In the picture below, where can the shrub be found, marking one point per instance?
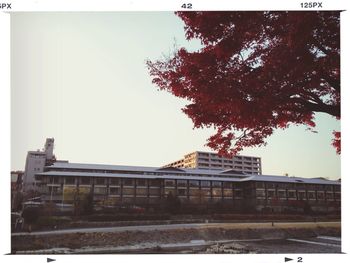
(31, 214)
(51, 221)
(126, 217)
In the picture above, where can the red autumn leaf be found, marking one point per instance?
(256, 72)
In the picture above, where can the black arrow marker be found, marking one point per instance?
(287, 259)
(50, 260)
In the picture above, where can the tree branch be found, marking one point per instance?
(318, 107)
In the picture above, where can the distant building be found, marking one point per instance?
(212, 161)
(35, 163)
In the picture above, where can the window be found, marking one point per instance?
(168, 192)
(329, 196)
(329, 188)
(181, 183)
(70, 180)
(181, 192)
(141, 182)
(337, 196)
(270, 194)
(100, 181)
(300, 186)
(128, 182)
(114, 191)
(282, 185)
(55, 189)
(311, 195)
(238, 193)
(205, 192)
(54, 180)
(228, 192)
(259, 185)
(260, 193)
(84, 189)
(114, 181)
(194, 192)
(194, 183)
(281, 194)
(217, 192)
(320, 187)
(128, 191)
(154, 191)
(311, 187)
(141, 191)
(270, 185)
(320, 195)
(227, 185)
(290, 185)
(216, 184)
(291, 194)
(100, 190)
(205, 183)
(169, 183)
(154, 183)
(85, 180)
(302, 195)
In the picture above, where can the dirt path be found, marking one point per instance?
(184, 226)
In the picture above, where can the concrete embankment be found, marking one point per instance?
(72, 242)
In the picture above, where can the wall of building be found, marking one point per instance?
(35, 163)
(236, 196)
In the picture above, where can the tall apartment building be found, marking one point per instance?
(212, 161)
(35, 163)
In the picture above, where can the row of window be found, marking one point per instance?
(139, 182)
(215, 192)
(297, 186)
(299, 195)
(104, 181)
(185, 183)
(229, 166)
(196, 184)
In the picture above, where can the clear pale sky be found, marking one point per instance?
(81, 78)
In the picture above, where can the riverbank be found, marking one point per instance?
(104, 241)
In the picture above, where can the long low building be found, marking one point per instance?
(116, 186)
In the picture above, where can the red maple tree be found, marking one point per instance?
(255, 72)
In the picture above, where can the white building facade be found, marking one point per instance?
(212, 161)
(35, 163)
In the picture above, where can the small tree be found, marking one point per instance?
(17, 201)
(30, 215)
(87, 204)
(173, 203)
(49, 208)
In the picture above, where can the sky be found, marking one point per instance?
(82, 79)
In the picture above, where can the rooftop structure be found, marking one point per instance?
(212, 161)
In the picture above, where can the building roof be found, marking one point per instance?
(139, 176)
(141, 169)
(176, 173)
(286, 179)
